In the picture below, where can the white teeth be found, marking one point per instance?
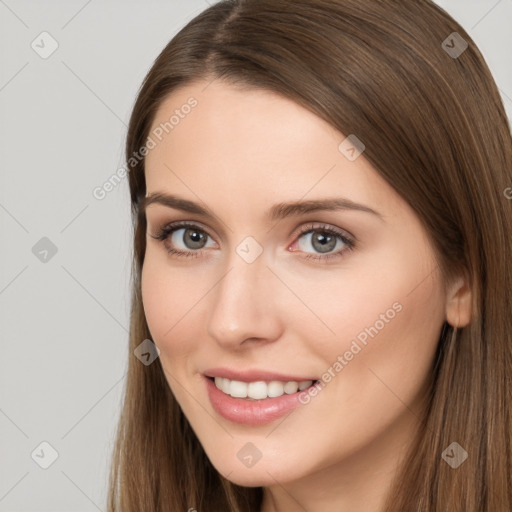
(275, 388)
(226, 384)
(291, 387)
(257, 390)
(260, 390)
(305, 384)
(238, 389)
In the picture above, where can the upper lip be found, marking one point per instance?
(254, 375)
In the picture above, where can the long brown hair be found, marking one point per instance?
(434, 126)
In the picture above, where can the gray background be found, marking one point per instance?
(64, 316)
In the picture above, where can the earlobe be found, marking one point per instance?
(459, 302)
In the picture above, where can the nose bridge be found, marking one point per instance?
(242, 304)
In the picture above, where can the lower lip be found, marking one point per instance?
(250, 412)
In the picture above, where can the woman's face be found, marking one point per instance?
(263, 293)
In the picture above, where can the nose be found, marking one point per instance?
(245, 308)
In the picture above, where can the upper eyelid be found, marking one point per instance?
(175, 225)
(303, 229)
(190, 219)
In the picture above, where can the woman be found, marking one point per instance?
(322, 285)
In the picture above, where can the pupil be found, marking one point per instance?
(195, 236)
(326, 244)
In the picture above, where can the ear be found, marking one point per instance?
(459, 301)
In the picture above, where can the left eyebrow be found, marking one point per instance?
(276, 212)
(283, 210)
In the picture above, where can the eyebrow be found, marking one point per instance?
(276, 212)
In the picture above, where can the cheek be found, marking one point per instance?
(173, 298)
(157, 301)
(163, 300)
(385, 318)
(387, 345)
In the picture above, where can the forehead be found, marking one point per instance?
(219, 142)
(260, 121)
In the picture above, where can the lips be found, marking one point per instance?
(254, 397)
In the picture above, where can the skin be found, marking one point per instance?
(239, 152)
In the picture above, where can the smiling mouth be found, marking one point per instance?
(260, 390)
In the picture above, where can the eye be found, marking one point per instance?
(192, 237)
(322, 238)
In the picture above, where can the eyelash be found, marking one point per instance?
(166, 231)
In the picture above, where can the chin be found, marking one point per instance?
(263, 473)
(249, 477)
